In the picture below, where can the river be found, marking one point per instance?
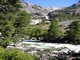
(43, 45)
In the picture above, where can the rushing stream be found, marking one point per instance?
(42, 45)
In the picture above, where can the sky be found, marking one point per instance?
(52, 3)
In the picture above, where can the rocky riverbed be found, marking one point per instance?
(47, 51)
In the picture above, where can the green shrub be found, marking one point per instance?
(14, 54)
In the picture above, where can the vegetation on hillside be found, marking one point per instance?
(14, 24)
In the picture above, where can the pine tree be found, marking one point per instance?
(6, 28)
(73, 32)
(54, 33)
(9, 14)
(21, 22)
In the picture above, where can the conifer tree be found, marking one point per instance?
(12, 21)
(73, 32)
(54, 33)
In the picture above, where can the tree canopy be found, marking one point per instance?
(9, 6)
(73, 32)
(13, 21)
(54, 33)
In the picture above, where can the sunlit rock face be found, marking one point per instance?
(36, 10)
(32, 8)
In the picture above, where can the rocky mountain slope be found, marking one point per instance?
(75, 7)
(32, 8)
(37, 11)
